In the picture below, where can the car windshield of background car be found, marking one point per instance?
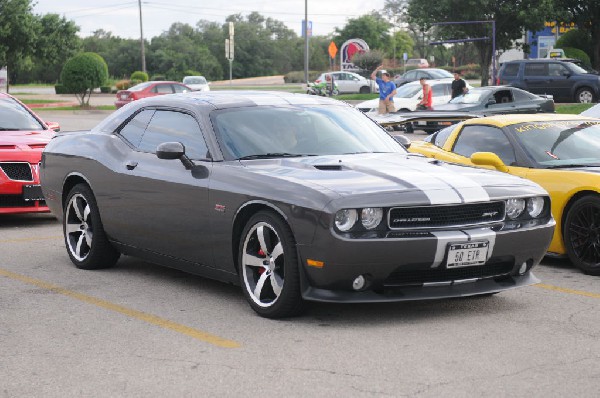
(561, 143)
(577, 69)
(440, 74)
(194, 80)
(14, 117)
(299, 131)
(408, 91)
(139, 87)
(472, 97)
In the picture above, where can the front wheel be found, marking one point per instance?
(584, 95)
(268, 267)
(85, 239)
(364, 90)
(582, 234)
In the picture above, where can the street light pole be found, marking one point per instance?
(142, 38)
(306, 41)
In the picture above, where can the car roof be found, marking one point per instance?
(535, 60)
(510, 119)
(445, 80)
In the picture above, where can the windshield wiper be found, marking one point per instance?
(566, 166)
(272, 155)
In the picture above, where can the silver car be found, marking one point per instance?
(350, 82)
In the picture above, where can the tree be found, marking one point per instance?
(512, 18)
(82, 74)
(17, 33)
(371, 28)
(586, 15)
(368, 60)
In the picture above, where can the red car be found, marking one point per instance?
(149, 89)
(23, 137)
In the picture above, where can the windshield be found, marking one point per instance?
(440, 74)
(408, 90)
(271, 131)
(561, 143)
(473, 96)
(194, 80)
(577, 68)
(14, 117)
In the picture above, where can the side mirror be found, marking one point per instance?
(488, 159)
(53, 126)
(174, 150)
(491, 101)
(402, 140)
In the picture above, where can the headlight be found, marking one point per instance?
(535, 206)
(370, 217)
(514, 208)
(345, 219)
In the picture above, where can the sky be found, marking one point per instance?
(122, 17)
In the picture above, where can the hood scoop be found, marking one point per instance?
(329, 167)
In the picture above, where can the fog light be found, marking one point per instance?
(523, 268)
(359, 282)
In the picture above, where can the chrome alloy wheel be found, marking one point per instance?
(263, 264)
(79, 228)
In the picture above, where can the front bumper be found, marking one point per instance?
(412, 266)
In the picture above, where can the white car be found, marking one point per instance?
(350, 82)
(594, 111)
(409, 95)
(196, 83)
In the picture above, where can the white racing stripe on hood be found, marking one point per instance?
(446, 237)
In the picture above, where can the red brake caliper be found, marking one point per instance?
(261, 253)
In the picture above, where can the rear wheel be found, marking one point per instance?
(585, 95)
(364, 90)
(268, 267)
(581, 234)
(86, 242)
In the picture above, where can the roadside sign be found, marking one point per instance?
(332, 49)
(405, 56)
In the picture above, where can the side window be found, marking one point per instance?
(511, 69)
(171, 126)
(484, 139)
(134, 130)
(536, 69)
(442, 135)
(503, 96)
(556, 70)
(438, 90)
(163, 89)
(178, 89)
(411, 75)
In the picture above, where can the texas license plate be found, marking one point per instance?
(467, 254)
(32, 192)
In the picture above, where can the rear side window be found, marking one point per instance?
(134, 130)
(511, 70)
(535, 69)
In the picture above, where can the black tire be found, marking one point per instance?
(585, 95)
(581, 234)
(364, 90)
(268, 267)
(85, 239)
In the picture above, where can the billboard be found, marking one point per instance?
(348, 50)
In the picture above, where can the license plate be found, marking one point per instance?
(422, 123)
(467, 254)
(123, 97)
(32, 192)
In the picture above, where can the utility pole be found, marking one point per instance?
(229, 50)
(306, 41)
(142, 38)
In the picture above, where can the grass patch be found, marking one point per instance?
(287, 88)
(38, 101)
(78, 108)
(572, 108)
(356, 97)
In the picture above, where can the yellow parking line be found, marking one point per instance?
(30, 239)
(152, 319)
(569, 291)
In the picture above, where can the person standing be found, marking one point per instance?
(459, 86)
(387, 90)
(427, 100)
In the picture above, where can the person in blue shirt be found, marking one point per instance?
(387, 90)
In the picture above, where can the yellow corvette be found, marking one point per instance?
(559, 152)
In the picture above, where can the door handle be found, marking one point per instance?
(131, 165)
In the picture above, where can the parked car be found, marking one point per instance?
(594, 111)
(408, 96)
(498, 99)
(416, 74)
(565, 81)
(349, 82)
(196, 83)
(23, 136)
(149, 89)
(294, 197)
(559, 152)
(417, 62)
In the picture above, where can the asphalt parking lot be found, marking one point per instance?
(141, 330)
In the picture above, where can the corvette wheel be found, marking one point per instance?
(86, 242)
(268, 271)
(582, 234)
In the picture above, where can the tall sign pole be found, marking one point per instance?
(229, 51)
(142, 38)
(306, 41)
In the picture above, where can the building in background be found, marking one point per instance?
(543, 41)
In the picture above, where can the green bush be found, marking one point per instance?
(135, 82)
(139, 75)
(60, 89)
(123, 84)
(578, 54)
(105, 89)
(82, 74)
(158, 77)
(576, 38)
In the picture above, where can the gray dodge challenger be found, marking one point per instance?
(295, 198)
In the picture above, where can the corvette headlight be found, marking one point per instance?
(535, 206)
(370, 217)
(514, 208)
(345, 219)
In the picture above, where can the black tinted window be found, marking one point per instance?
(442, 135)
(134, 130)
(13, 116)
(511, 70)
(536, 69)
(169, 126)
(557, 70)
(484, 139)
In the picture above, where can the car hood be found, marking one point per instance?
(26, 137)
(391, 173)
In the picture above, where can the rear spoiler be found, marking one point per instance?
(401, 118)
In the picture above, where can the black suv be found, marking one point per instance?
(564, 80)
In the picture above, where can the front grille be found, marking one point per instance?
(17, 201)
(446, 216)
(402, 277)
(17, 171)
